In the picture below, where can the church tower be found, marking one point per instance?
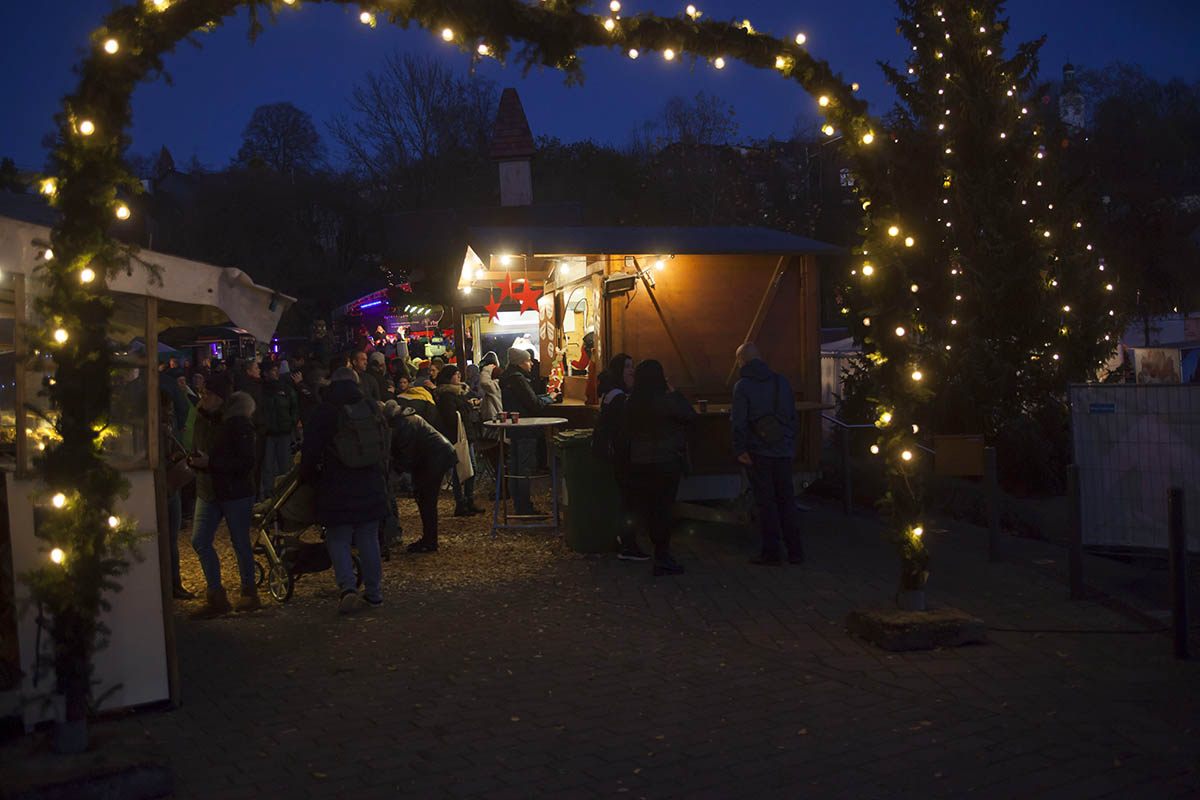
(1070, 102)
(512, 148)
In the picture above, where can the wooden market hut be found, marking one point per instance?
(687, 296)
(138, 663)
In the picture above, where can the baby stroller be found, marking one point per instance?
(279, 522)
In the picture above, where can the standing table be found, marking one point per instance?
(545, 426)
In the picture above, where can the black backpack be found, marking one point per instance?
(363, 436)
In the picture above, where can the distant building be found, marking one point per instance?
(1072, 109)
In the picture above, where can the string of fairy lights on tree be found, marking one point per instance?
(951, 275)
(87, 543)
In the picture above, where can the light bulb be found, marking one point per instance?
(447, 34)
(917, 531)
(505, 260)
(609, 24)
(57, 555)
(614, 6)
(801, 38)
(822, 101)
(899, 331)
(909, 241)
(633, 53)
(113, 522)
(828, 131)
(111, 46)
(719, 63)
(1066, 308)
(958, 297)
(868, 270)
(916, 375)
(1055, 356)
(914, 288)
(86, 275)
(916, 428)
(893, 231)
(854, 87)
(49, 186)
(122, 211)
(59, 500)
(874, 449)
(483, 49)
(87, 128)
(953, 322)
(690, 11)
(366, 18)
(885, 417)
(48, 254)
(906, 455)
(866, 322)
(779, 62)
(658, 265)
(669, 54)
(1046, 234)
(60, 335)
(1108, 287)
(868, 138)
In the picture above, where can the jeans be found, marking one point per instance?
(204, 527)
(277, 460)
(522, 459)
(464, 491)
(426, 490)
(652, 489)
(771, 482)
(174, 523)
(364, 536)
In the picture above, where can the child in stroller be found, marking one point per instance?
(280, 522)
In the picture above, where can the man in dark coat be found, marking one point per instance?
(764, 442)
(518, 395)
(223, 458)
(350, 501)
(281, 415)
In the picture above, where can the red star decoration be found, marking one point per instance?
(506, 288)
(493, 307)
(528, 297)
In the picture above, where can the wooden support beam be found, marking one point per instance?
(764, 305)
(667, 327)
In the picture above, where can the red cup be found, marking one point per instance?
(702, 405)
(516, 417)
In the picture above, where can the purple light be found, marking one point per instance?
(373, 303)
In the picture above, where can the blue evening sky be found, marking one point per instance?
(315, 55)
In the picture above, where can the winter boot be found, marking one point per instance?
(461, 509)
(249, 600)
(216, 603)
(180, 593)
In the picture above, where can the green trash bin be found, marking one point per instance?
(592, 498)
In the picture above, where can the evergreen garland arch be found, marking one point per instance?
(88, 547)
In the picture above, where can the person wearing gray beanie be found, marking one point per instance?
(518, 395)
(517, 356)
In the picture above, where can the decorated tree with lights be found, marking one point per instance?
(976, 293)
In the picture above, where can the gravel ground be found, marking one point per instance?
(467, 557)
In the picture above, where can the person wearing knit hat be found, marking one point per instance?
(453, 406)
(377, 373)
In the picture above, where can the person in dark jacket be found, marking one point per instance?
(419, 450)
(223, 458)
(281, 415)
(616, 383)
(764, 442)
(350, 501)
(452, 405)
(377, 372)
(519, 396)
(652, 444)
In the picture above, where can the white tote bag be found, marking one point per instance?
(462, 449)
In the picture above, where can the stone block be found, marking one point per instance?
(897, 630)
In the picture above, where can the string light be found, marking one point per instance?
(614, 6)
(828, 130)
(483, 49)
(868, 270)
(57, 555)
(669, 54)
(690, 11)
(779, 62)
(866, 322)
(87, 128)
(447, 34)
(914, 288)
(823, 101)
(59, 500)
(906, 455)
(801, 38)
(886, 418)
(60, 335)
(111, 46)
(893, 231)
(633, 53)
(868, 138)
(113, 522)
(47, 254)
(874, 449)
(918, 531)
(609, 24)
(899, 331)
(49, 186)
(719, 63)
(122, 211)
(366, 18)
(909, 241)
(916, 375)
(86, 275)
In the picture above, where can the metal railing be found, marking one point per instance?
(844, 429)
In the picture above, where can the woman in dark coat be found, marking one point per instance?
(652, 446)
(615, 383)
(450, 395)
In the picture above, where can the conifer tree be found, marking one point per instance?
(976, 294)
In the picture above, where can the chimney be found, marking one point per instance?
(512, 148)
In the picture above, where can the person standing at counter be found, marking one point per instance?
(764, 442)
(652, 444)
(518, 395)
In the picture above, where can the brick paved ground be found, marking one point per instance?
(585, 676)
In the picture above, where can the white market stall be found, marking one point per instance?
(139, 660)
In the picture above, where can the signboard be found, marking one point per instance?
(1157, 365)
